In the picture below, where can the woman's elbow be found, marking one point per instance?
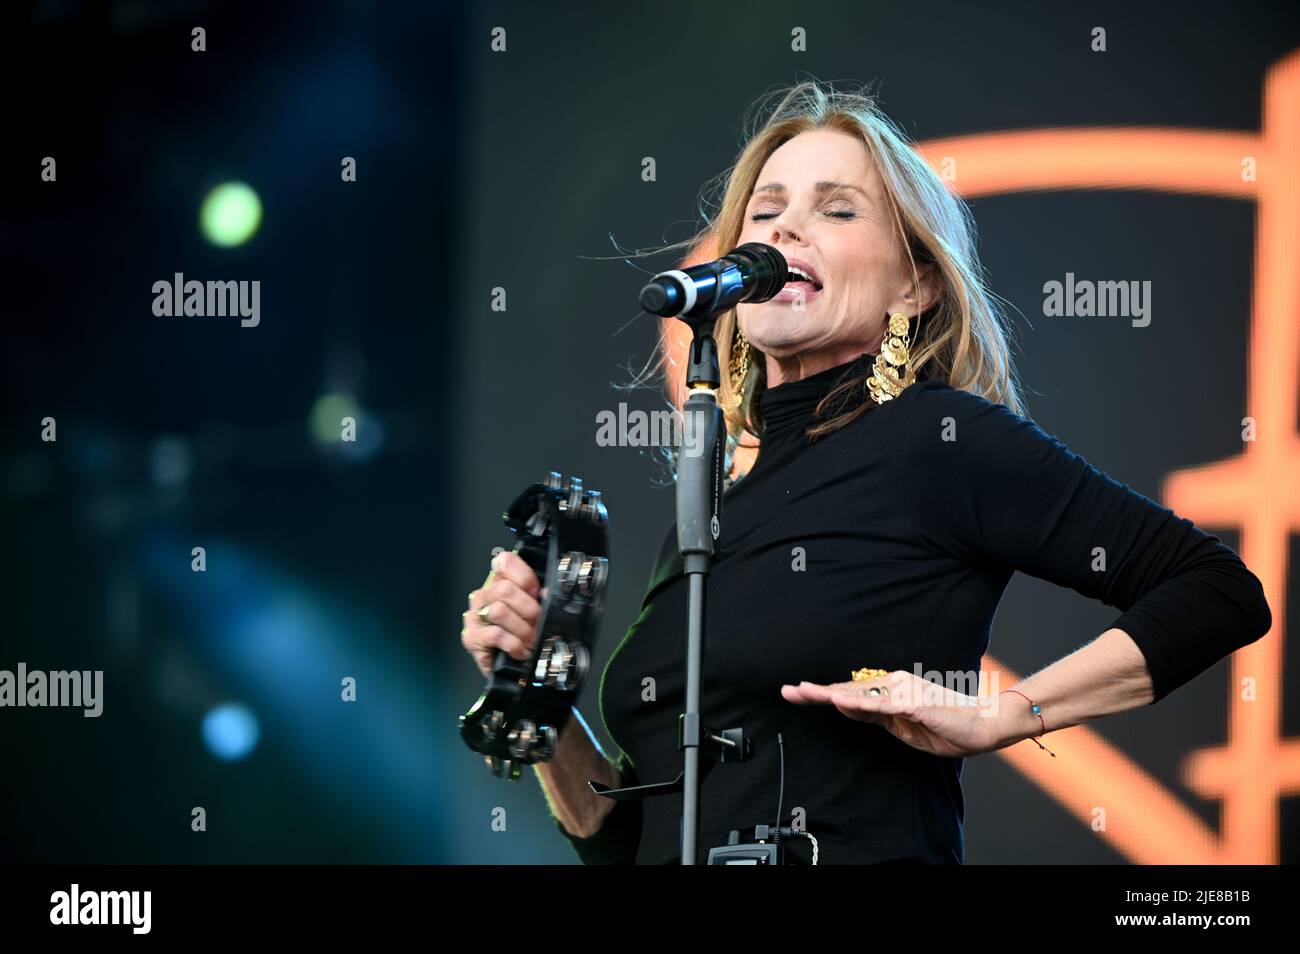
(1257, 617)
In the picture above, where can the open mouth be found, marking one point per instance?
(802, 277)
(798, 291)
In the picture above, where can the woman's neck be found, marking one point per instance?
(796, 367)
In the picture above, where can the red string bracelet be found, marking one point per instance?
(1034, 708)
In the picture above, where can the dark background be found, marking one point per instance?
(477, 170)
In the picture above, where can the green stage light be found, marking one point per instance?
(326, 419)
(230, 214)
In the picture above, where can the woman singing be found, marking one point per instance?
(897, 489)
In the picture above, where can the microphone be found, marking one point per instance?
(754, 272)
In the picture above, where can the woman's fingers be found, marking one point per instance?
(508, 601)
(846, 702)
(502, 615)
(482, 642)
(847, 697)
(507, 606)
(807, 692)
(508, 565)
(503, 629)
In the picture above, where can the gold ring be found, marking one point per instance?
(482, 614)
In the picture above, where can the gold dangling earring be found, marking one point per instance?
(738, 362)
(887, 380)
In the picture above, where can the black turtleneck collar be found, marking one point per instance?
(787, 409)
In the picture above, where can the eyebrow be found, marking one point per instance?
(819, 188)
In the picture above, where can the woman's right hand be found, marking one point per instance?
(512, 596)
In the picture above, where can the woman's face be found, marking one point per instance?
(819, 200)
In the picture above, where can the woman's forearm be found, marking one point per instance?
(1107, 676)
(564, 779)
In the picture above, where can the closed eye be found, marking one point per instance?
(840, 214)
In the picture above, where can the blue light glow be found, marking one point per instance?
(230, 731)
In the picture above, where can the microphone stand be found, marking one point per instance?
(700, 472)
(700, 475)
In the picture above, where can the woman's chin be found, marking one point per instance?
(776, 331)
(780, 347)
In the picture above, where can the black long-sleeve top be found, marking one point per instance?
(888, 544)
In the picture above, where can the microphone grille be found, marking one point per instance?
(653, 298)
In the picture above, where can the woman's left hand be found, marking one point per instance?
(925, 715)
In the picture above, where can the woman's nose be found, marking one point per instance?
(780, 230)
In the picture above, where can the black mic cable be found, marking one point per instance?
(780, 798)
(777, 831)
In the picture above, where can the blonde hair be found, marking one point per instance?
(961, 338)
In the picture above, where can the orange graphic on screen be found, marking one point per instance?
(1253, 491)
